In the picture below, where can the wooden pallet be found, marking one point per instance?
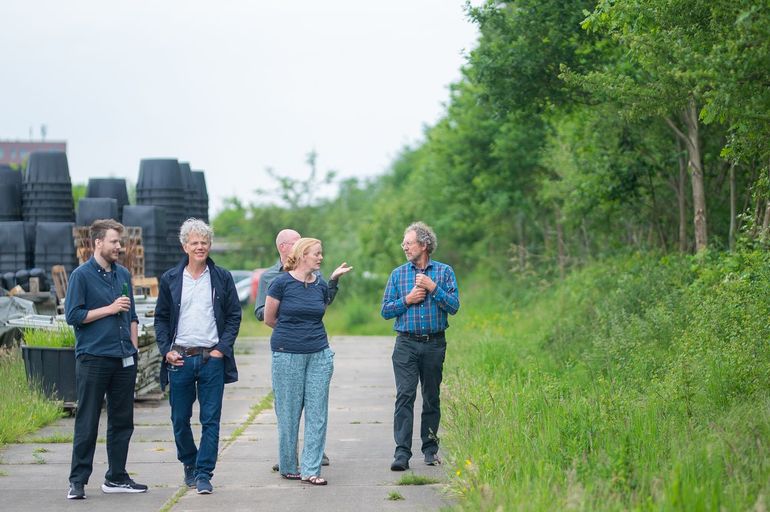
(131, 253)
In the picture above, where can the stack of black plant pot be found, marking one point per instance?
(10, 194)
(55, 245)
(160, 184)
(114, 188)
(152, 220)
(13, 257)
(47, 188)
(201, 195)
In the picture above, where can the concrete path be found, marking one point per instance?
(33, 475)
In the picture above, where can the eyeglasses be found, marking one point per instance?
(407, 244)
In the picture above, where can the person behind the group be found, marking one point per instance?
(302, 363)
(284, 242)
(419, 295)
(100, 306)
(197, 318)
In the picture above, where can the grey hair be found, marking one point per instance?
(425, 235)
(196, 226)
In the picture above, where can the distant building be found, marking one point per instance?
(16, 151)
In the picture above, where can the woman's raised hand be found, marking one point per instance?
(344, 268)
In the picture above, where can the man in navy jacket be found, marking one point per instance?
(197, 318)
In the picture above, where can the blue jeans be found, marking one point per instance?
(417, 362)
(207, 380)
(302, 381)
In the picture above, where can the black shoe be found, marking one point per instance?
(189, 476)
(76, 492)
(324, 460)
(127, 486)
(432, 459)
(275, 467)
(399, 464)
(203, 486)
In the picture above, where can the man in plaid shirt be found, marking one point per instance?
(419, 295)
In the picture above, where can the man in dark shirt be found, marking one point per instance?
(420, 294)
(100, 306)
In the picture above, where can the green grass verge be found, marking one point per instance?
(636, 383)
(22, 410)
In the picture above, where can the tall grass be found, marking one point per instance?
(637, 383)
(22, 410)
(62, 337)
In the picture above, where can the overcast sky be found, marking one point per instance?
(232, 86)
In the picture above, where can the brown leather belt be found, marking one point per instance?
(190, 351)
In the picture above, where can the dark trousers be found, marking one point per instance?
(97, 376)
(204, 378)
(417, 362)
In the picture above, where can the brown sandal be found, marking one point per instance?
(315, 480)
(291, 476)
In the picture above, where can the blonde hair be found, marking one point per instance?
(301, 247)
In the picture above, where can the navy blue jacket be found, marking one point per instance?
(227, 311)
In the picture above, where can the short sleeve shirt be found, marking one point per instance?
(299, 328)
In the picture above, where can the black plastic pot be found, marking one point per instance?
(114, 188)
(53, 369)
(10, 202)
(12, 239)
(54, 237)
(201, 195)
(54, 245)
(9, 280)
(9, 176)
(22, 279)
(152, 220)
(93, 208)
(42, 279)
(159, 173)
(47, 167)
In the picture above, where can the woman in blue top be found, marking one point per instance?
(303, 363)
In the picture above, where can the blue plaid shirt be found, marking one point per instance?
(430, 315)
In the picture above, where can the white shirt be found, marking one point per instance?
(197, 324)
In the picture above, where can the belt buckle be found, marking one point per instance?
(422, 337)
(182, 350)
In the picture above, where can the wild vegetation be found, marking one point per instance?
(22, 410)
(642, 382)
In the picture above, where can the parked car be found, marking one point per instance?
(255, 275)
(242, 280)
